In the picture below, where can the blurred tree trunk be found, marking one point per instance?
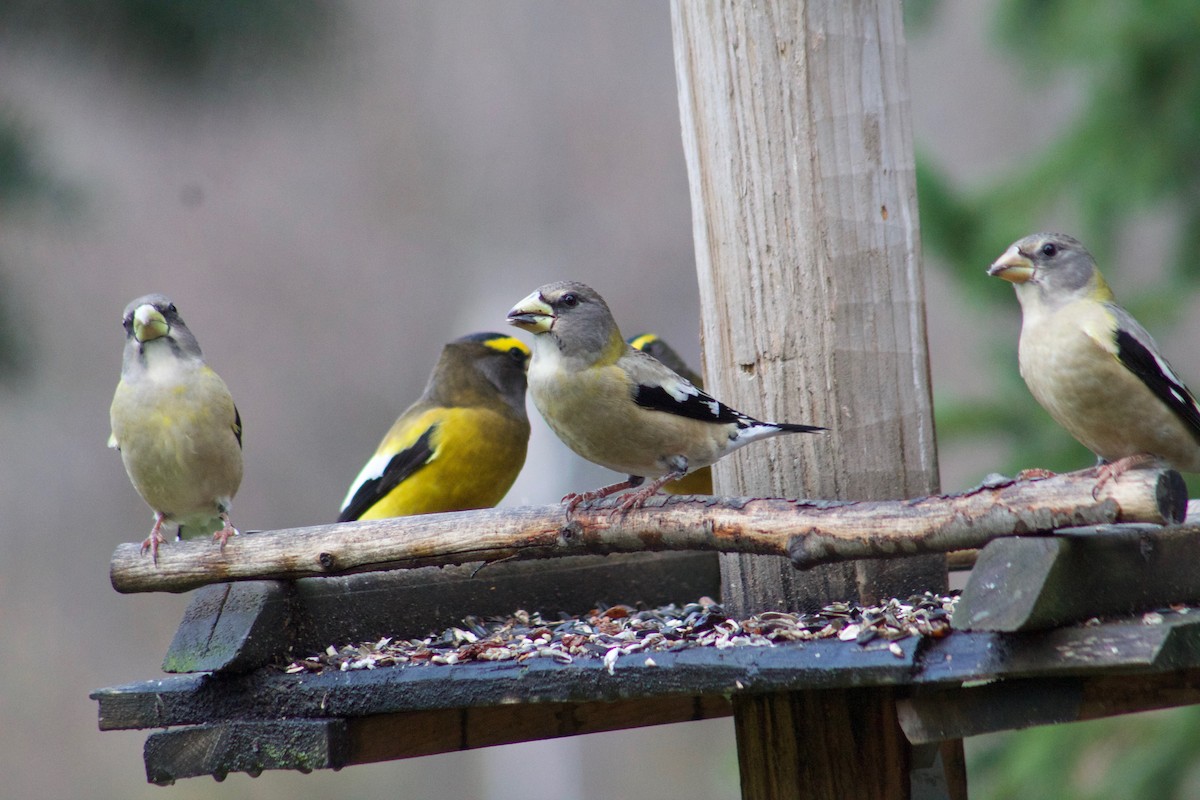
(798, 142)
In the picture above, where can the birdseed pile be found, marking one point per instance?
(618, 630)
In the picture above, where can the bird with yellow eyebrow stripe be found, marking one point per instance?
(460, 445)
(700, 481)
(1091, 365)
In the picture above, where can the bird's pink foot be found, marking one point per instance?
(154, 539)
(576, 499)
(1034, 474)
(1115, 469)
(637, 498)
(225, 533)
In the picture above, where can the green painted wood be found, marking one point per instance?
(1036, 583)
(251, 747)
(235, 627)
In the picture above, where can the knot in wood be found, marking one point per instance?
(327, 560)
(570, 532)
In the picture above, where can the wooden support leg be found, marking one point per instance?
(800, 257)
(835, 744)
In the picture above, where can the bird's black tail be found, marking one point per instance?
(788, 427)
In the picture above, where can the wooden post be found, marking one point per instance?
(796, 130)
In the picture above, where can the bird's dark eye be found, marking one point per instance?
(570, 299)
(516, 354)
(171, 309)
(1049, 249)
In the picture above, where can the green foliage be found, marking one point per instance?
(1141, 756)
(181, 39)
(1132, 148)
(22, 180)
(1133, 145)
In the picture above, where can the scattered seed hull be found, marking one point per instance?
(619, 630)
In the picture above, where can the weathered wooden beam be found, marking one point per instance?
(951, 713)
(1035, 583)
(268, 694)
(241, 734)
(828, 760)
(961, 560)
(273, 720)
(1128, 646)
(235, 627)
(1004, 705)
(809, 532)
(253, 746)
(798, 144)
(926, 717)
(390, 736)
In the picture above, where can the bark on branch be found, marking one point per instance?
(810, 532)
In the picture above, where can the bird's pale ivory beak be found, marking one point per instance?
(148, 323)
(532, 314)
(1014, 266)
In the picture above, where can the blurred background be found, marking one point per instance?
(330, 190)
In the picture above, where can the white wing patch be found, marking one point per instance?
(372, 470)
(680, 390)
(1166, 370)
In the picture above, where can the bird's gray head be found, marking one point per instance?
(575, 316)
(152, 320)
(1052, 268)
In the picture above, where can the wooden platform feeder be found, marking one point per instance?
(1018, 656)
(799, 151)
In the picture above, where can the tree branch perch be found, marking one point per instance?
(810, 532)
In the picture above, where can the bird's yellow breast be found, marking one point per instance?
(178, 443)
(476, 455)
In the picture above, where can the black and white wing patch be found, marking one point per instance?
(658, 388)
(687, 401)
(382, 474)
(1157, 374)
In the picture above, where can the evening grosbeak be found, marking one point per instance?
(619, 407)
(1091, 365)
(175, 424)
(698, 481)
(460, 445)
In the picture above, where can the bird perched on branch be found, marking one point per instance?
(175, 424)
(460, 445)
(698, 481)
(619, 407)
(1091, 365)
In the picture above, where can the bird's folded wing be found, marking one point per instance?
(1136, 351)
(658, 388)
(383, 473)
